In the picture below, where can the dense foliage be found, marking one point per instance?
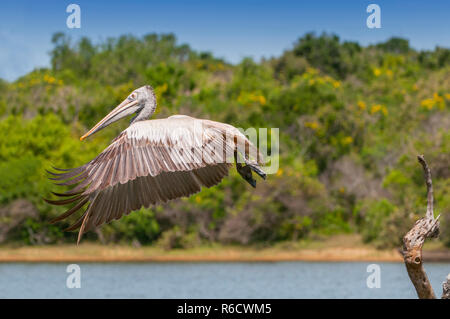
(351, 119)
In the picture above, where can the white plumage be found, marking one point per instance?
(153, 161)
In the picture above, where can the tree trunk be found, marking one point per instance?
(425, 227)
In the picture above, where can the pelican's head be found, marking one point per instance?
(141, 101)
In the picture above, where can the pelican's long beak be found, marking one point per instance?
(125, 108)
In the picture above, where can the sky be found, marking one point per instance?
(229, 29)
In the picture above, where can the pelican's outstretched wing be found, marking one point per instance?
(152, 162)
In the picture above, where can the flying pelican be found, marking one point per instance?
(151, 162)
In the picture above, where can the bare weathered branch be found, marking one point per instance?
(413, 241)
(429, 183)
(446, 288)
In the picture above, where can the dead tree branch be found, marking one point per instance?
(446, 288)
(424, 228)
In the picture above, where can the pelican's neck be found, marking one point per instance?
(146, 112)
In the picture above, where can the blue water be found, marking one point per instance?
(213, 280)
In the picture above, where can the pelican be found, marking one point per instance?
(151, 162)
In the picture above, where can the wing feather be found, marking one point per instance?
(151, 162)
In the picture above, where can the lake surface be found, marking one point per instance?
(213, 280)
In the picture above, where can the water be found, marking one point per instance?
(213, 280)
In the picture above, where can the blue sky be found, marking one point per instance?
(230, 29)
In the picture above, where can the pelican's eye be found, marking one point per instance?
(132, 96)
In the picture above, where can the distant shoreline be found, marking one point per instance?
(98, 253)
(340, 248)
(122, 254)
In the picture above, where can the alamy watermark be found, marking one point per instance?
(74, 278)
(374, 19)
(74, 19)
(374, 279)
